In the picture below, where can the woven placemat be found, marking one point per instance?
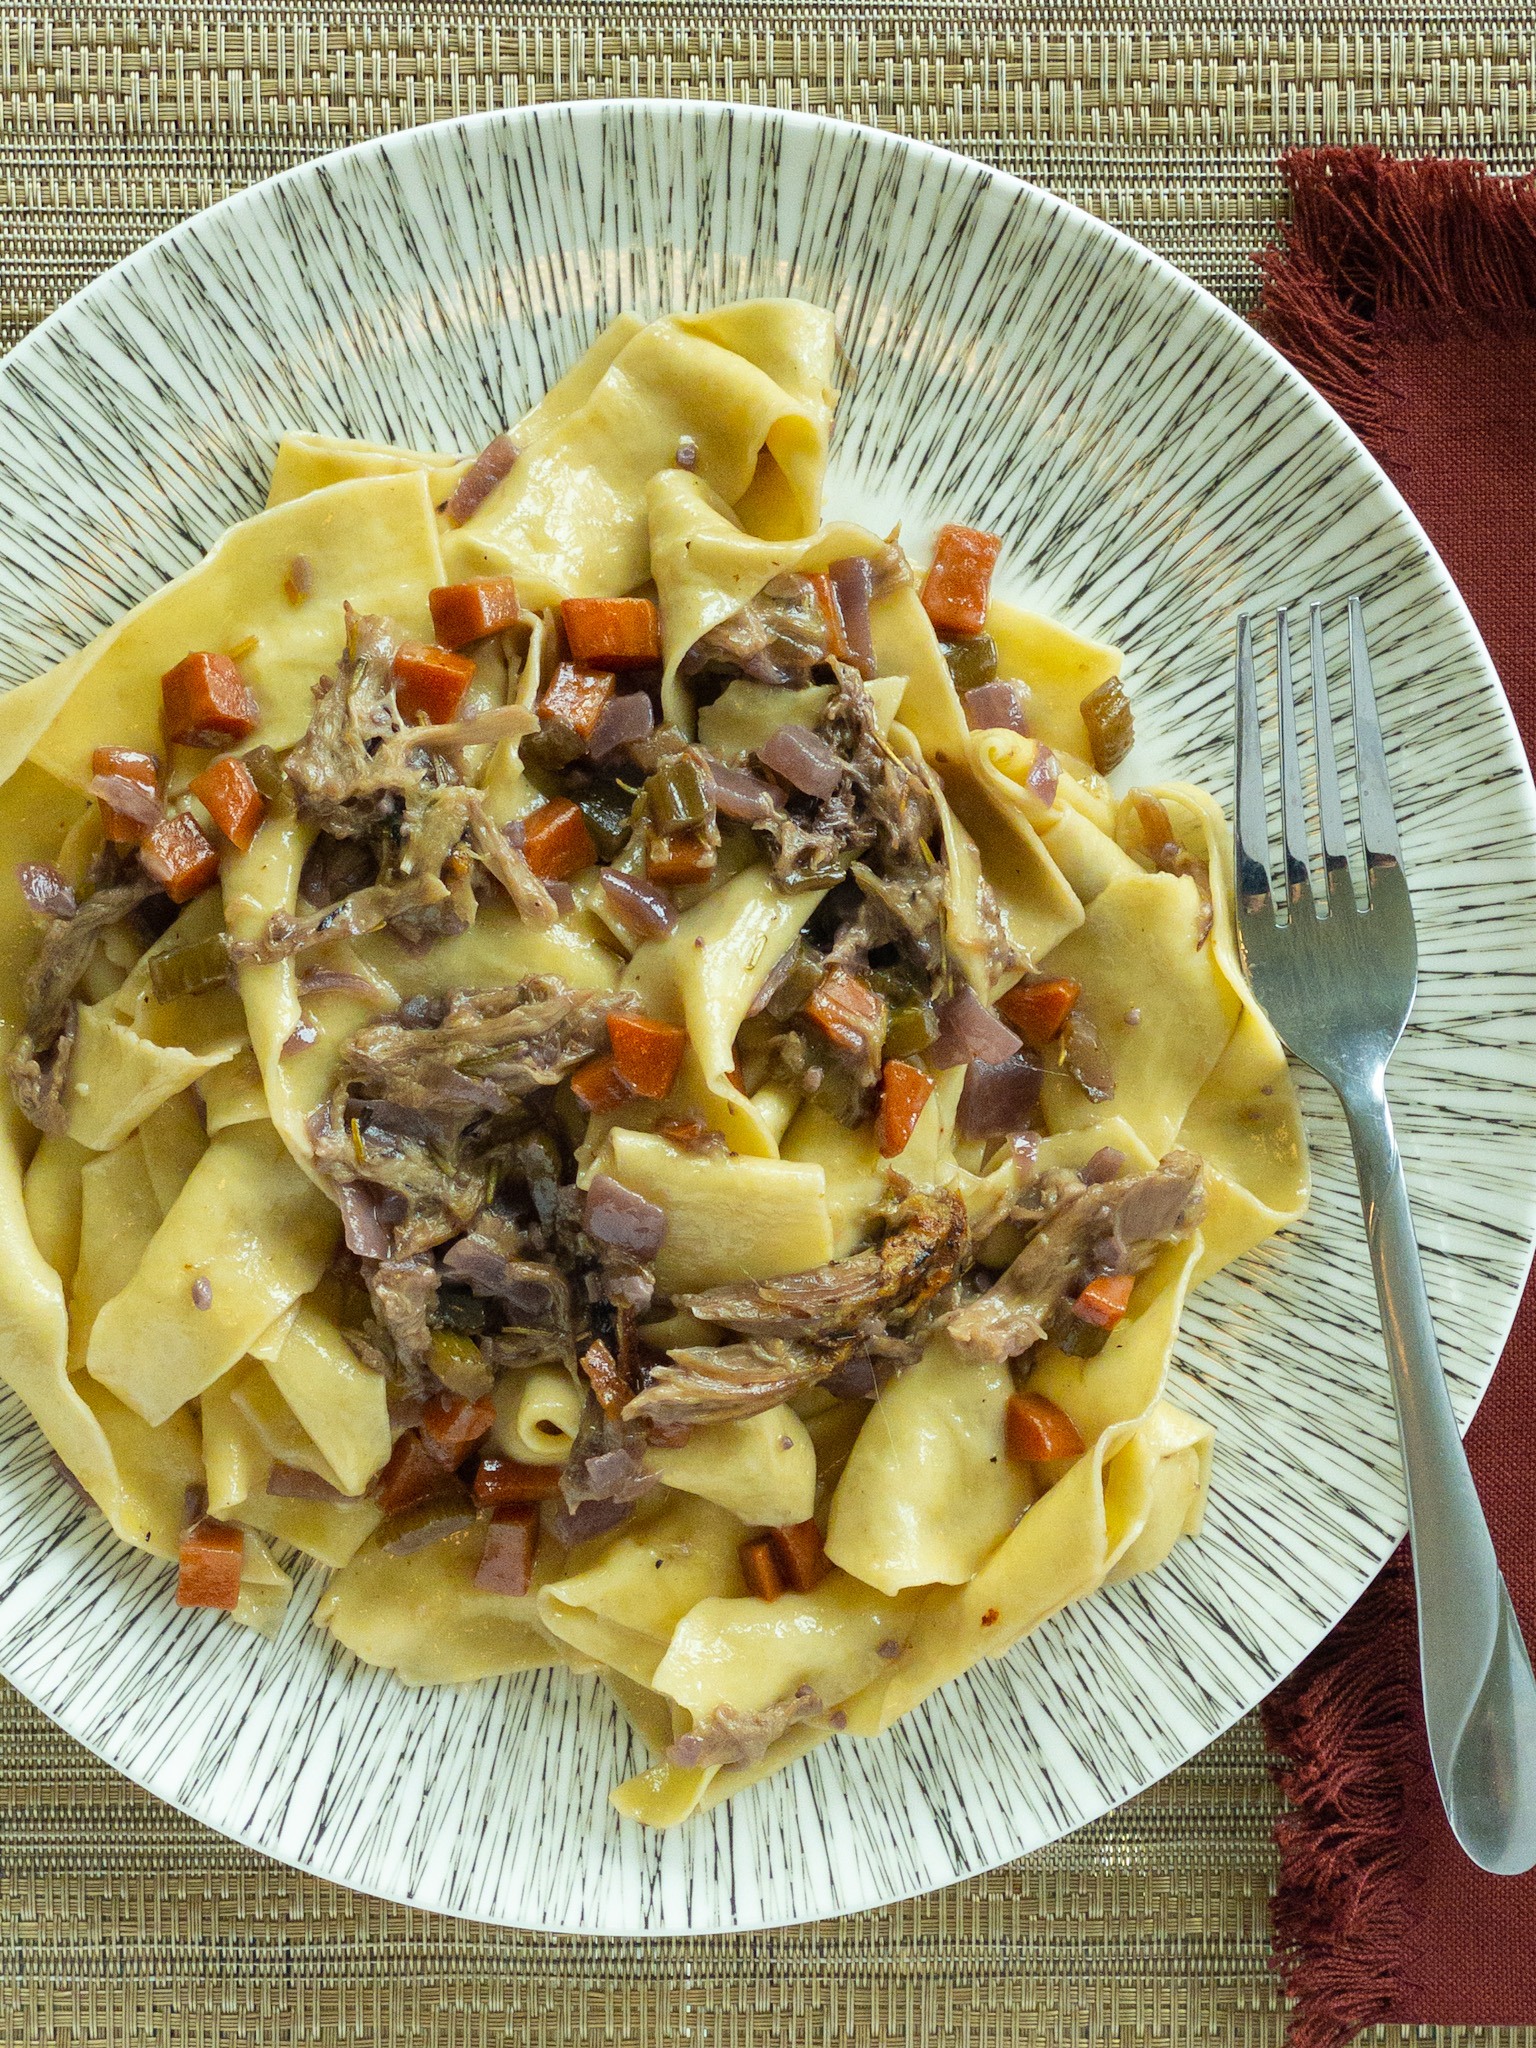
(121, 1922)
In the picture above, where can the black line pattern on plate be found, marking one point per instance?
(1153, 469)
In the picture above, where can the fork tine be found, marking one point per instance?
(1330, 807)
(1252, 835)
(1293, 802)
(1378, 823)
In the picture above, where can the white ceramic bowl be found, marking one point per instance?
(1153, 467)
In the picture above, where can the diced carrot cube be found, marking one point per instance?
(1035, 1430)
(1038, 1009)
(133, 766)
(450, 1426)
(680, 860)
(231, 799)
(647, 1053)
(430, 682)
(412, 1475)
(462, 612)
(180, 857)
(211, 1558)
(798, 1553)
(577, 697)
(502, 1481)
(511, 1546)
(957, 587)
(904, 1090)
(1105, 1301)
(758, 1569)
(847, 1011)
(556, 841)
(599, 1085)
(207, 702)
(832, 612)
(612, 632)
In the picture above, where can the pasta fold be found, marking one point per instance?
(256, 1230)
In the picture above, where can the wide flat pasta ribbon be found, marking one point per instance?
(623, 1606)
(249, 1223)
(570, 516)
(704, 975)
(1075, 1533)
(729, 1218)
(762, 1468)
(371, 543)
(313, 462)
(423, 1617)
(929, 1489)
(1244, 1122)
(707, 564)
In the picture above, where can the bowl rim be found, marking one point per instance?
(708, 114)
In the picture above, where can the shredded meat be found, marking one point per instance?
(426, 1103)
(1084, 1228)
(739, 1735)
(491, 1048)
(398, 792)
(404, 1292)
(603, 1477)
(777, 638)
(883, 811)
(802, 1328)
(39, 1062)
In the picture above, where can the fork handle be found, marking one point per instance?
(1479, 1692)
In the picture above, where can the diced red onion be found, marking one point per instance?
(968, 1031)
(46, 890)
(804, 760)
(997, 1099)
(450, 1521)
(481, 478)
(405, 1411)
(365, 1235)
(776, 977)
(202, 1292)
(1085, 1058)
(740, 794)
(300, 1038)
(515, 832)
(131, 799)
(1107, 1163)
(853, 585)
(194, 1504)
(292, 1482)
(562, 895)
(590, 1518)
(623, 721)
(615, 1215)
(318, 981)
(1025, 1145)
(994, 705)
(642, 907)
(1043, 777)
(75, 1485)
(687, 456)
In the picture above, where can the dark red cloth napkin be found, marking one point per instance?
(1406, 293)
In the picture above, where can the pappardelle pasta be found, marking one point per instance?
(598, 1056)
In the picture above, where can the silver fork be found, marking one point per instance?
(1337, 980)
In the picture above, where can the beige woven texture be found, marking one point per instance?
(123, 1923)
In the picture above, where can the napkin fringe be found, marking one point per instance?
(1340, 1733)
(1373, 243)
